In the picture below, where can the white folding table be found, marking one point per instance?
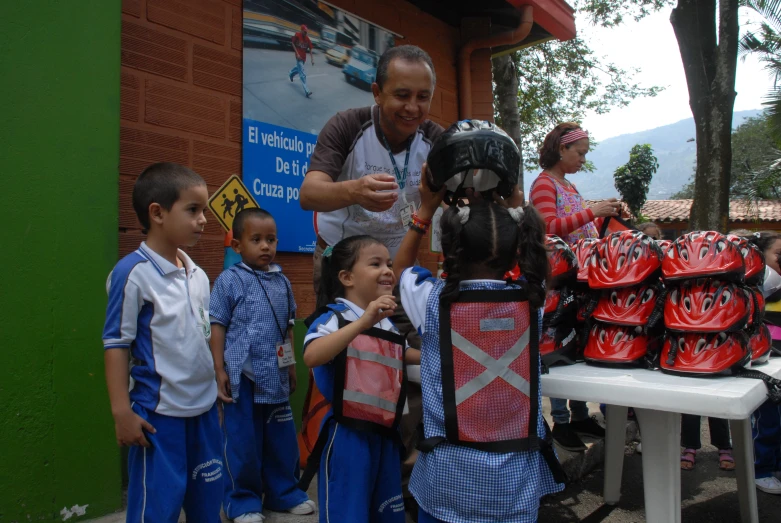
(659, 400)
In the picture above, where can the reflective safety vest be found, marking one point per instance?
(370, 383)
(490, 371)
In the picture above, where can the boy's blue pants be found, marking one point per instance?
(766, 429)
(261, 455)
(359, 478)
(182, 469)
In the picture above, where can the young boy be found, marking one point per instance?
(158, 309)
(252, 311)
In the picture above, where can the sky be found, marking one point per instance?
(651, 46)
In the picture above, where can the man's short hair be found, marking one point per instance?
(244, 215)
(161, 183)
(409, 53)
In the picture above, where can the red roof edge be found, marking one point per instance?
(555, 16)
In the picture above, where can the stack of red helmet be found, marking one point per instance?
(623, 318)
(707, 308)
(583, 250)
(759, 340)
(558, 343)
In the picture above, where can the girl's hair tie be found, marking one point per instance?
(328, 252)
(516, 213)
(463, 214)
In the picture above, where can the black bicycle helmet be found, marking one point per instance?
(474, 154)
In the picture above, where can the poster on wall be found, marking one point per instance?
(304, 61)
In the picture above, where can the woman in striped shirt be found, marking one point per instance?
(564, 152)
(558, 201)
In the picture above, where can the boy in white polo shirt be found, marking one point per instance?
(158, 310)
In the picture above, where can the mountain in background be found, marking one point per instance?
(670, 143)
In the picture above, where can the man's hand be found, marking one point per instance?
(511, 202)
(223, 386)
(374, 192)
(130, 427)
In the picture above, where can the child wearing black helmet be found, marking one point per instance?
(481, 456)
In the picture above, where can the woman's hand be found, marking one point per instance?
(378, 310)
(429, 201)
(605, 208)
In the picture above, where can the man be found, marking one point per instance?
(365, 170)
(364, 174)
(301, 43)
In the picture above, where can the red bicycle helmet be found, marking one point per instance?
(753, 259)
(759, 344)
(756, 305)
(701, 353)
(558, 345)
(562, 261)
(703, 253)
(664, 245)
(615, 344)
(627, 306)
(623, 259)
(706, 305)
(583, 250)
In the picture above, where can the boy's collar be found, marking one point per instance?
(162, 265)
(272, 267)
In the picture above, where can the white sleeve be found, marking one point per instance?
(326, 324)
(415, 286)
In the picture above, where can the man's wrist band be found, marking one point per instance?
(417, 228)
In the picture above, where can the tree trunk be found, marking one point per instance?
(710, 76)
(506, 79)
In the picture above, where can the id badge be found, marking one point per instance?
(406, 214)
(285, 355)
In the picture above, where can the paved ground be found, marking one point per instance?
(270, 97)
(708, 494)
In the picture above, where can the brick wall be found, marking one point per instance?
(181, 101)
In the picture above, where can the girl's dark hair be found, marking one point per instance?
(492, 241)
(342, 258)
(549, 151)
(763, 240)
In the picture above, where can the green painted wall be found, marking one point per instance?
(59, 149)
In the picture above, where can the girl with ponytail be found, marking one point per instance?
(490, 464)
(357, 358)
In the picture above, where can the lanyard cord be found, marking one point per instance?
(401, 177)
(276, 320)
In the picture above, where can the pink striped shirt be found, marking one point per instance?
(543, 197)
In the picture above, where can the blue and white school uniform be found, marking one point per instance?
(359, 480)
(457, 484)
(261, 450)
(159, 312)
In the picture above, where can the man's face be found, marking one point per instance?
(405, 99)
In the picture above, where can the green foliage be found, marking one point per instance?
(610, 13)
(633, 179)
(756, 163)
(562, 81)
(765, 43)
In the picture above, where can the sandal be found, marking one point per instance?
(687, 458)
(726, 461)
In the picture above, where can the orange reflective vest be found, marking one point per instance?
(490, 371)
(370, 382)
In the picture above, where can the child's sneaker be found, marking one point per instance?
(307, 507)
(771, 485)
(250, 517)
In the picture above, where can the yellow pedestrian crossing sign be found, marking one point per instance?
(229, 200)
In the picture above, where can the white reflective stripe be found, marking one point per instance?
(493, 368)
(376, 358)
(367, 399)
